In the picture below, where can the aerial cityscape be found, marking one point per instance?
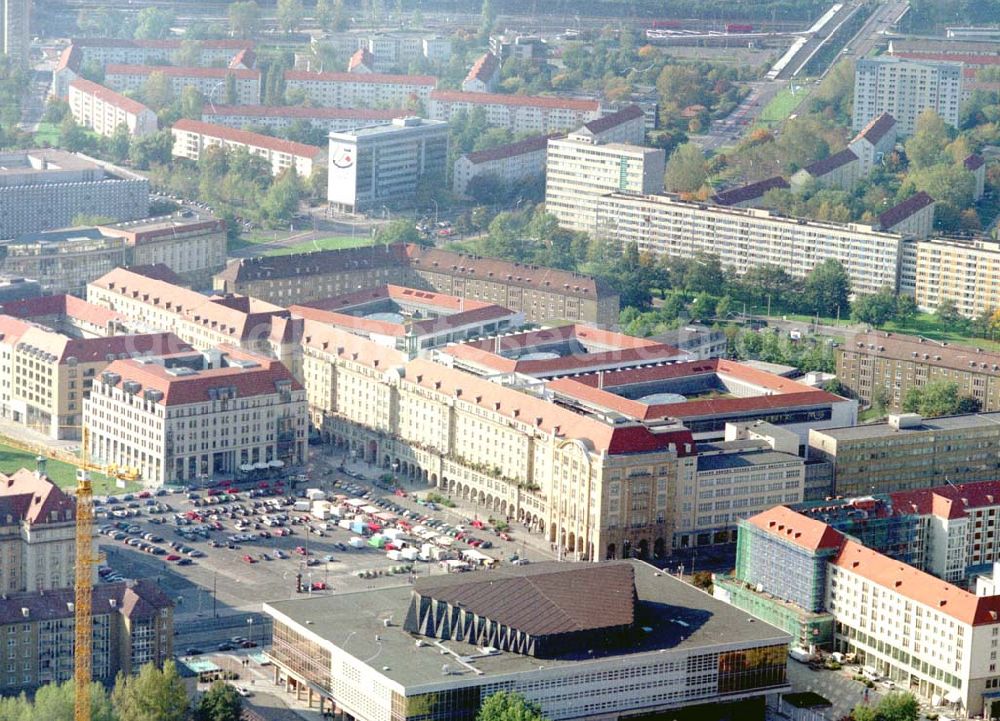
(500, 360)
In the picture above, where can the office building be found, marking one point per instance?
(511, 164)
(382, 165)
(45, 189)
(748, 238)
(102, 110)
(578, 172)
(873, 142)
(193, 137)
(281, 117)
(364, 90)
(913, 218)
(251, 411)
(904, 89)
(210, 82)
(909, 452)
(571, 653)
(15, 34)
(891, 364)
(517, 113)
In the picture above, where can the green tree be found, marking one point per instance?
(508, 706)
(877, 309)
(117, 145)
(189, 54)
(952, 186)
(191, 102)
(244, 18)
(826, 289)
(938, 398)
(906, 307)
(73, 137)
(680, 86)
(153, 23)
(704, 274)
(947, 312)
(926, 147)
(157, 91)
(896, 706)
(281, 201)
(686, 171)
(487, 18)
(54, 702)
(398, 231)
(152, 695)
(153, 149)
(230, 96)
(219, 703)
(289, 15)
(703, 306)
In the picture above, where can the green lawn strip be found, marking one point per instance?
(338, 242)
(61, 473)
(781, 106)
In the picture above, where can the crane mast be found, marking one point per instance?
(84, 620)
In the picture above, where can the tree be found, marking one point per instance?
(153, 23)
(947, 312)
(219, 703)
(952, 186)
(826, 289)
(324, 14)
(73, 137)
(289, 15)
(281, 201)
(398, 231)
(231, 97)
(152, 695)
(153, 149)
(508, 706)
(157, 91)
(680, 86)
(906, 307)
(704, 274)
(244, 17)
(686, 171)
(192, 102)
(703, 307)
(896, 706)
(189, 54)
(938, 398)
(926, 147)
(118, 144)
(877, 309)
(488, 18)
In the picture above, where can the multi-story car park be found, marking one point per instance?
(607, 652)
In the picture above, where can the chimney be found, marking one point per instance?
(40, 462)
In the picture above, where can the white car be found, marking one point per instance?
(243, 691)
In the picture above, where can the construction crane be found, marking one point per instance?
(83, 605)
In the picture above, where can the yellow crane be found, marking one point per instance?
(83, 604)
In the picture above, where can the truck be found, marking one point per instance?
(315, 494)
(800, 655)
(409, 554)
(302, 506)
(358, 526)
(356, 542)
(394, 555)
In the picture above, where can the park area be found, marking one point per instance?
(782, 105)
(282, 242)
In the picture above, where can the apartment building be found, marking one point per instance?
(627, 125)
(747, 238)
(48, 374)
(281, 117)
(905, 88)
(148, 303)
(913, 218)
(45, 189)
(873, 142)
(125, 51)
(893, 363)
(579, 171)
(909, 452)
(193, 137)
(517, 113)
(38, 540)
(366, 90)
(15, 35)
(483, 75)
(382, 165)
(964, 271)
(210, 82)
(249, 410)
(751, 195)
(725, 670)
(102, 110)
(392, 52)
(839, 171)
(510, 164)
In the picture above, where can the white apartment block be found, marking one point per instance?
(178, 422)
(578, 172)
(280, 117)
(15, 36)
(904, 89)
(117, 51)
(392, 50)
(192, 137)
(508, 163)
(210, 82)
(517, 113)
(368, 90)
(744, 238)
(102, 110)
(873, 142)
(382, 164)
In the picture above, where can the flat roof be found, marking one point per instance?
(944, 423)
(671, 615)
(746, 458)
(389, 128)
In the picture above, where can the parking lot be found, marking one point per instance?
(217, 555)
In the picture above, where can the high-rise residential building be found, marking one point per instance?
(381, 165)
(904, 89)
(15, 36)
(962, 270)
(579, 170)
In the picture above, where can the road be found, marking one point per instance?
(727, 130)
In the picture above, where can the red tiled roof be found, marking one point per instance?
(70, 57)
(535, 101)
(245, 137)
(67, 305)
(186, 389)
(182, 72)
(297, 111)
(534, 144)
(32, 498)
(918, 586)
(484, 68)
(382, 78)
(401, 293)
(784, 523)
(876, 129)
(361, 57)
(831, 163)
(897, 214)
(913, 349)
(950, 501)
(342, 344)
(109, 96)
(974, 162)
(245, 58)
(752, 191)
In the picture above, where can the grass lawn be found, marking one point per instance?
(47, 134)
(781, 106)
(927, 325)
(257, 237)
(336, 242)
(62, 474)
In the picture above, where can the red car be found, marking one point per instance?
(249, 559)
(145, 494)
(232, 490)
(401, 493)
(173, 557)
(477, 523)
(301, 551)
(214, 492)
(318, 586)
(504, 536)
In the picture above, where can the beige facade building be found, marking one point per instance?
(280, 117)
(579, 171)
(873, 142)
(102, 110)
(748, 238)
(839, 171)
(517, 113)
(510, 164)
(891, 364)
(364, 90)
(210, 82)
(966, 272)
(193, 137)
(249, 410)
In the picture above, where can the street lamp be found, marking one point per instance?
(211, 93)
(249, 631)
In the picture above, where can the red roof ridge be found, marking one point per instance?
(539, 101)
(181, 71)
(808, 533)
(385, 78)
(109, 96)
(246, 137)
